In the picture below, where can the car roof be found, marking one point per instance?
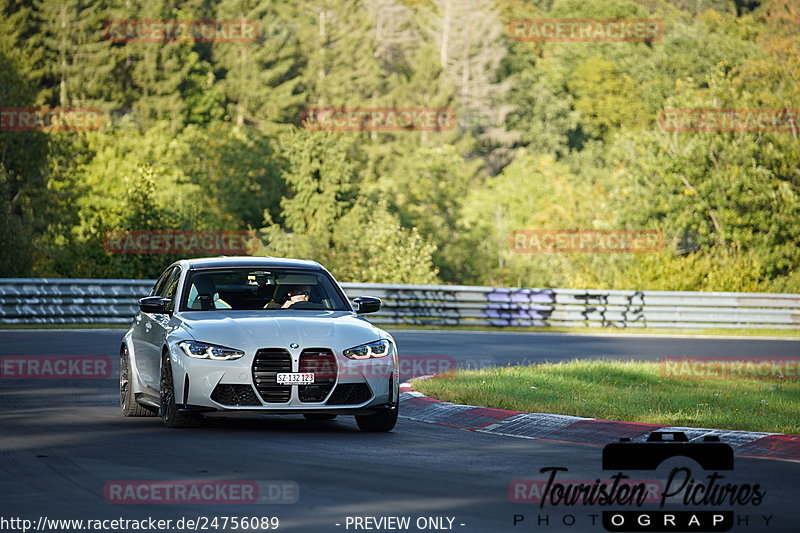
(249, 261)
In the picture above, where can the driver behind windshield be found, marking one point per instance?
(299, 293)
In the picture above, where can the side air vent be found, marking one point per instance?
(350, 394)
(235, 395)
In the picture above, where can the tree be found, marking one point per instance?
(238, 171)
(261, 79)
(606, 99)
(543, 111)
(737, 194)
(173, 80)
(81, 66)
(15, 237)
(342, 68)
(534, 192)
(472, 61)
(368, 236)
(395, 36)
(321, 179)
(427, 189)
(130, 181)
(324, 218)
(23, 182)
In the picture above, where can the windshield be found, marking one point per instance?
(273, 289)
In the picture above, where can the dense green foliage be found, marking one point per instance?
(559, 135)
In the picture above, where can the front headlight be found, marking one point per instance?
(365, 351)
(202, 350)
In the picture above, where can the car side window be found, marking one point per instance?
(172, 287)
(161, 285)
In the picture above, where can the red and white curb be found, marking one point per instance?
(577, 430)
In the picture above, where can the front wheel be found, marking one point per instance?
(379, 422)
(169, 410)
(127, 401)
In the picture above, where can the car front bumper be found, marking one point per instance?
(248, 384)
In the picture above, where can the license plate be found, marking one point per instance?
(295, 378)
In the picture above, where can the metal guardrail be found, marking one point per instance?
(113, 301)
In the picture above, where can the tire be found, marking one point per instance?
(169, 410)
(318, 417)
(379, 422)
(127, 401)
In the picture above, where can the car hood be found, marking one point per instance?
(250, 331)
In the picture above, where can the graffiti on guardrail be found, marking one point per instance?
(520, 307)
(634, 309)
(596, 307)
(411, 306)
(109, 301)
(594, 304)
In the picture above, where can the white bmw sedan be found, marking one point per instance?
(256, 335)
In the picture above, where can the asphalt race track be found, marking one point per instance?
(65, 448)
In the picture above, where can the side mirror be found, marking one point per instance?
(367, 304)
(154, 304)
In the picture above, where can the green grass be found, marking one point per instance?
(628, 391)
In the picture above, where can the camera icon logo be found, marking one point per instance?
(711, 454)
